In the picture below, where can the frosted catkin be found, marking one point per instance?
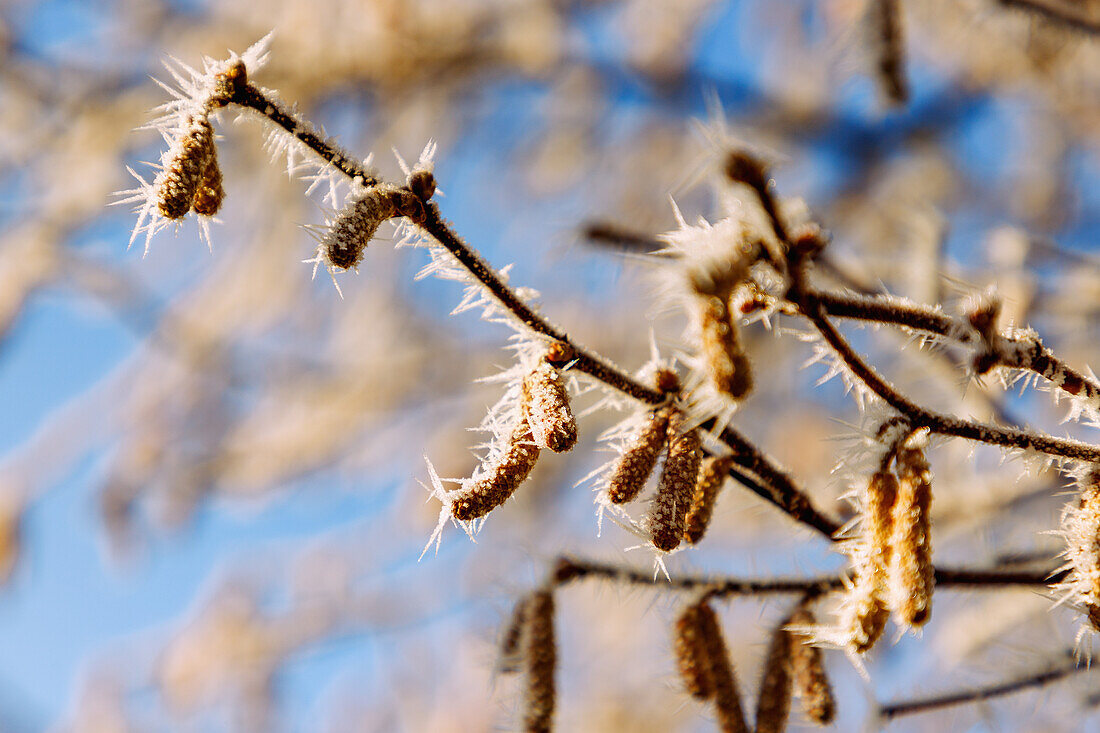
(712, 476)
(546, 405)
(676, 487)
(726, 363)
(727, 698)
(511, 653)
(863, 614)
(501, 479)
(882, 492)
(540, 658)
(1081, 528)
(636, 463)
(209, 194)
(176, 185)
(692, 658)
(355, 226)
(773, 706)
(910, 577)
(808, 672)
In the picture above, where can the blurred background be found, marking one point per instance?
(210, 515)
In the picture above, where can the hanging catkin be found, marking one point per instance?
(692, 654)
(727, 698)
(637, 461)
(539, 662)
(546, 405)
(712, 476)
(773, 706)
(177, 183)
(808, 672)
(727, 366)
(911, 575)
(676, 488)
(480, 496)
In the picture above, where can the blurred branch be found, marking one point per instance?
(1059, 12)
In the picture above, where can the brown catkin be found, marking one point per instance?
(773, 706)
(911, 575)
(808, 672)
(546, 405)
(864, 613)
(501, 479)
(540, 658)
(511, 653)
(727, 699)
(727, 365)
(691, 653)
(637, 461)
(1081, 529)
(676, 487)
(712, 477)
(210, 194)
(882, 492)
(356, 224)
(176, 185)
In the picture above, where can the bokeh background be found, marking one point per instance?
(210, 516)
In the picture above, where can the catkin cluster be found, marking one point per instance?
(893, 570)
(544, 419)
(529, 645)
(190, 177)
(705, 665)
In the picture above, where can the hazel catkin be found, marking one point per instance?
(356, 224)
(691, 653)
(727, 366)
(636, 463)
(481, 495)
(676, 487)
(808, 672)
(209, 194)
(712, 476)
(911, 574)
(546, 406)
(773, 706)
(177, 183)
(727, 698)
(539, 662)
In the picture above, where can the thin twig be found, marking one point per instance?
(893, 710)
(1058, 12)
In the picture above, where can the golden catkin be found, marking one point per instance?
(882, 492)
(540, 658)
(356, 224)
(176, 185)
(501, 479)
(727, 366)
(637, 461)
(712, 477)
(691, 653)
(773, 706)
(546, 405)
(210, 194)
(511, 653)
(676, 487)
(1081, 529)
(808, 672)
(864, 614)
(727, 698)
(911, 575)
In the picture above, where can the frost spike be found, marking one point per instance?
(539, 662)
(911, 575)
(546, 405)
(808, 671)
(712, 477)
(482, 495)
(677, 485)
(639, 458)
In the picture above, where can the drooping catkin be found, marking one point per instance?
(1081, 529)
(540, 658)
(691, 650)
(863, 614)
(177, 183)
(210, 194)
(773, 706)
(511, 652)
(546, 405)
(727, 366)
(481, 495)
(911, 575)
(637, 461)
(727, 698)
(356, 224)
(808, 672)
(676, 487)
(712, 476)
